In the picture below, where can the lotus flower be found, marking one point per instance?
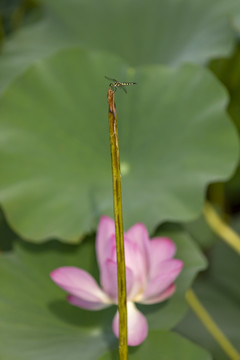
(150, 273)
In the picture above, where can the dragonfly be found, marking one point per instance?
(117, 84)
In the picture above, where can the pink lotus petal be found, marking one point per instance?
(161, 249)
(79, 283)
(134, 261)
(106, 229)
(136, 323)
(110, 249)
(138, 235)
(163, 296)
(88, 305)
(167, 272)
(109, 279)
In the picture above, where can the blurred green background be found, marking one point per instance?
(179, 145)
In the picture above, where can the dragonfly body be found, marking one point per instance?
(115, 84)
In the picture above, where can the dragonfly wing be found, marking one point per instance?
(110, 79)
(124, 89)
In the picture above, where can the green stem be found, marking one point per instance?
(212, 327)
(221, 228)
(117, 200)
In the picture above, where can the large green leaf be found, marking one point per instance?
(55, 180)
(153, 31)
(201, 232)
(219, 292)
(32, 42)
(164, 345)
(38, 323)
